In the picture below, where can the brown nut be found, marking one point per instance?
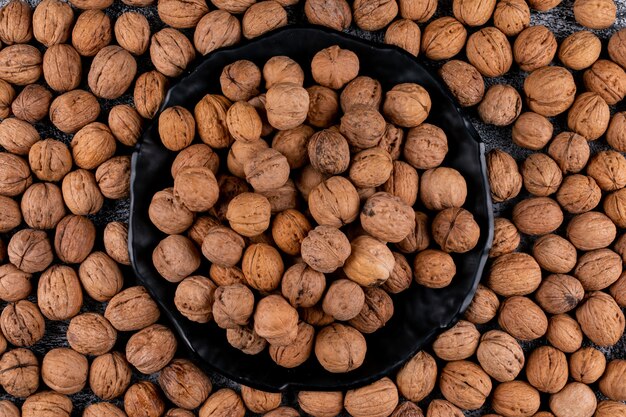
(325, 249)
(100, 276)
(177, 128)
(542, 175)
(181, 14)
(99, 409)
(59, 293)
(112, 71)
(50, 160)
(295, 353)
(532, 131)
(370, 263)
(490, 52)
(42, 206)
(194, 298)
(7, 94)
(564, 333)
(587, 365)
(611, 383)
(589, 116)
(17, 136)
(168, 213)
(483, 307)
(175, 258)
(30, 250)
(434, 196)
(263, 17)
(455, 230)
(419, 10)
(321, 403)
(109, 375)
(47, 403)
(504, 176)
(329, 152)
(343, 300)
(616, 48)
(553, 79)
(262, 267)
(598, 269)
(534, 48)
(516, 398)
(377, 399)
(457, 343)
(282, 69)
(184, 384)
(22, 323)
(376, 312)
(473, 13)
(340, 348)
(206, 39)
(196, 188)
(377, 213)
(302, 286)
(132, 32)
(522, 318)
(15, 284)
(224, 402)
(578, 194)
(287, 105)
(276, 321)
(591, 230)
(91, 334)
(62, 68)
(371, 168)
(464, 82)
(417, 377)
(32, 103)
(374, 14)
(443, 38)
(580, 50)
(73, 110)
(20, 64)
(143, 399)
(562, 403)
(570, 151)
(606, 79)
(64, 370)
(405, 34)
(246, 340)
(149, 93)
(334, 202)
(92, 32)
(527, 219)
(260, 401)
(559, 293)
(125, 124)
(407, 105)
(433, 268)
(171, 52)
(52, 22)
(601, 319)
(151, 349)
(19, 373)
(335, 14)
(547, 369)
(500, 355)
(515, 274)
(595, 14)
(132, 309)
(506, 238)
(511, 16)
(465, 384)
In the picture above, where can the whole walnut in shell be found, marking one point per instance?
(98, 409)
(407, 105)
(143, 399)
(455, 230)
(335, 14)
(249, 214)
(458, 375)
(344, 300)
(473, 13)
(362, 126)
(433, 268)
(511, 16)
(404, 34)
(73, 110)
(177, 128)
(260, 401)
(501, 105)
(329, 152)
(168, 213)
(222, 403)
(374, 14)
(171, 52)
(570, 151)
(504, 176)
(443, 38)
(532, 131)
(591, 230)
(500, 355)
(47, 403)
(263, 17)
(15, 284)
(287, 105)
(321, 403)
(515, 398)
(32, 103)
(534, 48)
(595, 14)
(92, 32)
(64, 370)
(555, 254)
(340, 348)
(580, 50)
(151, 349)
(484, 306)
(22, 323)
(276, 320)
(17, 136)
(15, 176)
(19, 373)
(42, 206)
(302, 286)
(527, 218)
(589, 116)
(125, 124)
(601, 319)
(334, 67)
(184, 384)
(615, 135)
(262, 267)
(181, 14)
(112, 72)
(149, 93)
(377, 213)
(377, 399)
(175, 258)
(564, 333)
(522, 318)
(20, 64)
(606, 79)
(376, 312)
(611, 383)
(297, 352)
(56, 280)
(100, 276)
(30, 250)
(559, 293)
(587, 365)
(194, 298)
(62, 68)
(434, 196)
(598, 269)
(132, 309)
(417, 377)
(549, 90)
(562, 403)
(578, 194)
(52, 21)
(91, 334)
(547, 369)
(514, 274)
(464, 82)
(92, 145)
(206, 39)
(542, 175)
(490, 52)
(370, 262)
(361, 91)
(50, 160)
(457, 343)
(132, 32)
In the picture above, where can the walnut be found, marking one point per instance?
(276, 321)
(378, 398)
(168, 213)
(262, 267)
(589, 116)
(606, 79)
(500, 355)
(542, 176)
(615, 135)
(549, 90)
(515, 274)
(102, 409)
(362, 126)
(591, 230)
(532, 131)
(73, 110)
(464, 82)
(297, 352)
(598, 269)
(113, 177)
(287, 105)
(309, 178)
(329, 152)
(52, 22)
(595, 14)
(618, 291)
(335, 14)
(608, 168)
(112, 71)
(92, 32)
(177, 128)
(197, 155)
(377, 212)
(407, 105)
(511, 16)
(32, 103)
(234, 6)
(544, 5)
(515, 397)
(194, 298)
(325, 249)
(609, 408)
(100, 276)
(263, 17)
(290, 227)
(246, 340)
(418, 10)
(564, 333)
(362, 91)
(184, 384)
(404, 34)
(92, 145)
(20, 64)
(490, 52)
(143, 400)
(30, 250)
(64, 370)
(282, 69)
(7, 94)
(243, 121)
(484, 306)
(334, 67)
(282, 198)
(426, 146)
(47, 403)
(433, 268)
(370, 262)
(443, 38)
(455, 230)
(42, 206)
(260, 401)
(555, 254)
(457, 343)
(17, 136)
(370, 168)
(249, 214)
(215, 30)
(435, 197)
(125, 124)
(587, 365)
(240, 153)
(340, 348)
(171, 52)
(580, 50)
(419, 238)
(132, 32)
(616, 48)
(612, 382)
(10, 214)
(506, 238)
(343, 300)
(59, 293)
(534, 48)
(149, 93)
(19, 373)
(91, 334)
(458, 375)
(334, 202)
(321, 403)
(403, 182)
(522, 318)
(537, 216)
(267, 170)
(601, 319)
(196, 188)
(151, 349)
(443, 408)
(132, 309)
(22, 323)
(224, 402)
(570, 151)
(575, 399)
(302, 286)
(62, 68)
(377, 310)
(9, 409)
(547, 369)
(222, 246)
(175, 258)
(293, 145)
(181, 14)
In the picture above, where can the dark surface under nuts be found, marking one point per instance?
(560, 21)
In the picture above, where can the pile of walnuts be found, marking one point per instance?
(304, 224)
(78, 81)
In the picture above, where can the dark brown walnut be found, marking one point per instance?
(615, 135)
(595, 14)
(263, 17)
(490, 52)
(125, 124)
(549, 90)
(321, 403)
(340, 348)
(455, 230)
(578, 194)
(329, 152)
(52, 22)
(587, 365)
(606, 79)
(500, 355)
(537, 216)
(62, 68)
(580, 50)
(570, 151)
(405, 34)
(109, 375)
(113, 177)
(302, 286)
(232, 306)
(516, 397)
(47, 403)
(290, 227)
(42, 206)
(335, 14)
(591, 230)
(132, 32)
(91, 334)
(10, 214)
(514, 274)
(92, 145)
(297, 352)
(246, 340)
(19, 373)
(377, 310)
(464, 82)
(292, 144)
(589, 116)
(555, 254)
(370, 168)
(473, 13)
(532, 131)
(419, 238)
(92, 32)
(228, 32)
(7, 94)
(175, 258)
(15, 175)
(100, 276)
(30, 250)
(171, 52)
(483, 307)
(73, 110)
(20, 64)
(511, 16)
(542, 175)
(534, 48)
(81, 193)
(181, 14)
(17, 136)
(457, 343)
(362, 126)
(262, 267)
(443, 38)
(64, 370)
(22, 323)
(458, 375)
(282, 69)
(522, 318)
(224, 402)
(112, 71)
(143, 399)
(200, 228)
(616, 48)
(59, 293)
(197, 155)
(504, 177)
(151, 349)
(194, 298)
(32, 103)
(564, 333)
(131, 310)
(149, 93)
(611, 383)
(168, 213)
(184, 384)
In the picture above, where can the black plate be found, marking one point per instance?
(420, 313)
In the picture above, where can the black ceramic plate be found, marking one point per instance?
(420, 313)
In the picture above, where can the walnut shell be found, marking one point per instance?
(340, 348)
(17, 136)
(549, 90)
(287, 105)
(377, 399)
(376, 312)
(370, 263)
(196, 188)
(587, 365)
(302, 286)
(262, 267)
(246, 340)
(484, 306)
(62, 68)
(132, 309)
(64, 370)
(490, 52)
(325, 249)
(522, 318)
(534, 48)
(92, 32)
(609, 408)
(443, 38)
(589, 116)
(511, 16)
(612, 382)
(506, 238)
(616, 48)
(91, 334)
(276, 320)
(19, 373)
(595, 14)
(405, 34)
(50, 160)
(101, 276)
(59, 293)
(598, 269)
(500, 355)
(578, 194)
(615, 133)
(334, 202)
(32, 103)
(377, 212)
(7, 94)
(151, 349)
(516, 398)
(20, 64)
(504, 177)
(282, 69)
(149, 93)
(47, 404)
(590, 231)
(92, 145)
(362, 126)
(290, 227)
(42, 206)
(562, 403)
(109, 375)
(184, 384)
(113, 177)
(465, 384)
(175, 258)
(443, 408)
(132, 32)
(457, 343)
(417, 378)
(473, 13)
(514, 274)
(564, 333)
(433, 268)
(527, 219)
(177, 128)
(15, 284)
(501, 105)
(418, 10)
(542, 175)
(606, 79)
(329, 152)
(293, 145)
(222, 403)
(297, 352)
(374, 14)
(228, 32)
(194, 298)
(267, 170)
(599, 308)
(371, 168)
(407, 105)
(100, 409)
(125, 124)
(263, 17)
(30, 250)
(344, 300)
(532, 131)
(168, 213)
(570, 151)
(181, 14)
(171, 52)
(455, 230)
(22, 323)
(260, 401)
(335, 14)
(547, 369)
(9, 409)
(73, 110)
(580, 50)
(435, 197)
(112, 71)
(52, 22)
(249, 214)
(464, 82)
(321, 403)
(143, 399)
